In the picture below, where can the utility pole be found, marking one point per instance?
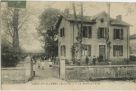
(107, 38)
(81, 31)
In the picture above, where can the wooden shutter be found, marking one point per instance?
(83, 31)
(64, 50)
(98, 33)
(89, 49)
(120, 50)
(89, 32)
(114, 34)
(122, 34)
(114, 49)
(61, 50)
(105, 32)
(63, 32)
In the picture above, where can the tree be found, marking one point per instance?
(77, 48)
(13, 20)
(46, 29)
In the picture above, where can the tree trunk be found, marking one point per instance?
(15, 32)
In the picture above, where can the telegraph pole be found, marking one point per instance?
(107, 39)
(81, 31)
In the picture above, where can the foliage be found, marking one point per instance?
(13, 20)
(47, 19)
(46, 29)
(9, 57)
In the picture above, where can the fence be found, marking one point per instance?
(56, 71)
(95, 72)
(100, 72)
(17, 74)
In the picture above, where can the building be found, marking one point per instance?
(94, 35)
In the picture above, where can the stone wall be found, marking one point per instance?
(56, 71)
(17, 74)
(13, 75)
(100, 72)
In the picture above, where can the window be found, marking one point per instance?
(102, 20)
(102, 51)
(86, 50)
(87, 32)
(101, 32)
(62, 32)
(118, 34)
(117, 50)
(63, 50)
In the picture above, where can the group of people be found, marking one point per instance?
(92, 60)
(38, 62)
(41, 64)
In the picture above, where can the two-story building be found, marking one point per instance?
(94, 34)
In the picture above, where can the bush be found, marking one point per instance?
(133, 57)
(9, 59)
(120, 62)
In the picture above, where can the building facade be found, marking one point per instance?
(96, 30)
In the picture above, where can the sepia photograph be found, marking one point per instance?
(68, 45)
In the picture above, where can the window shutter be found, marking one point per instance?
(83, 31)
(60, 32)
(63, 32)
(105, 32)
(114, 34)
(121, 50)
(89, 32)
(114, 49)
(98, 33)
(61, 50)
(122, 34)
(64, 51)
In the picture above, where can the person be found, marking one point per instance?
(87, 60)
(42, 65)
(90, 59)
(50, 62)
(28, 58)
(94, 60)
(38, 63)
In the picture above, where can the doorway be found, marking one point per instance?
(102, 52)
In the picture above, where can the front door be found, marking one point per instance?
(102, 54)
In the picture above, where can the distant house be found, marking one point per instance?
(133, 44)
(94, 36)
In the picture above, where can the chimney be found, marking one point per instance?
(119, 17)
(66, 12)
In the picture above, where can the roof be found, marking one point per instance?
(89, 19)
(71, 18)
(116, 22)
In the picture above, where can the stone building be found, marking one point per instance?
(94, 35)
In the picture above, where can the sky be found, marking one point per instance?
(30, 41)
